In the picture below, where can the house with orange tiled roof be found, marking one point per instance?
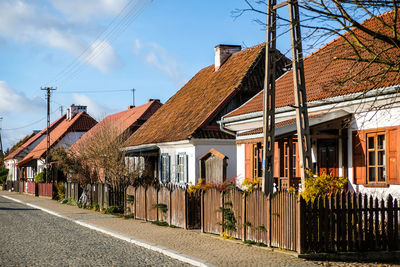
(122, 124)
(354, 119)
(174, 139)
(65, 131)
(25, 148)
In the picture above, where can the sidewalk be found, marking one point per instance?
(208, 249)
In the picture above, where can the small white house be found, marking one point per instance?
(172, 141)
(63, 132)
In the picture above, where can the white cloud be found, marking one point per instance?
(29, 23)
(95, 109)
(83, 10)
(11, 100)
(157, 56)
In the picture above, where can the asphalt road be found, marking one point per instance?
(31, 237)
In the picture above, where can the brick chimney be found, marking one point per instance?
(73, 110)
(223, 52)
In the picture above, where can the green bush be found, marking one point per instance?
(60, 190)
(114, 210)
(39, 178)
(3, 175)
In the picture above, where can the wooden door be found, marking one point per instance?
(328, 157)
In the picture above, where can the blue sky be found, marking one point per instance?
(152, 46)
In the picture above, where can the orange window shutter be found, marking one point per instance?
(248, 161)
(276, 160)
(359, 157)
(298, 169)
(392, 167)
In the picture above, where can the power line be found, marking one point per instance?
(112, 32)
(94, 91)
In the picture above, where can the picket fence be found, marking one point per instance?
(170, 204)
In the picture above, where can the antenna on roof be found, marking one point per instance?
(133, 97)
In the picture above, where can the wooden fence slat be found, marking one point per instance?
(396, 225)
(359, 222)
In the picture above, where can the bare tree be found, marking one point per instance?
(322, 20)
(367, 44)
(98, 156)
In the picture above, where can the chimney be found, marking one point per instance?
(223, 52)
(73, 110)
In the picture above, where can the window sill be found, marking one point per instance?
(376, 185)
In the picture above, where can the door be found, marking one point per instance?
(328, 157)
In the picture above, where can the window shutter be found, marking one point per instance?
(359, 149)
(276, 160)
(168, 178)
(186, 169)
(160, 178)
(177, 178)
(248, 161)
(392, 167)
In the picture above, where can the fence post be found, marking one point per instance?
(134, 203)
(396, 225)
(170, 204)
(145, 203)
(244, 216)
(202, 211)
(186, 210)
(300, 224)
(390, 222)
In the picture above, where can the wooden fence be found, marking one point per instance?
(341, 223)
(45, 189)
(31, 188)
(100, 194)
(254, 222)
(167, 203)
(351, 222)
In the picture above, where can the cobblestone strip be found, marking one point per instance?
(164, 251)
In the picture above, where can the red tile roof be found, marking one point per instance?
(31, 140)
(81, 122)
(122, 121)
(198, 100)
(325, 75)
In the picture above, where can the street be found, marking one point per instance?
(32, 237)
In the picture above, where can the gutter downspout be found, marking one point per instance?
(226, 130)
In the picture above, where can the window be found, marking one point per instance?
(135, 164)
(164, 168)
(257, 160)
(376, 159)
(181, 168)
(287, 157)
(29, 172)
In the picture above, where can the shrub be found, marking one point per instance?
(39, 178)
(322, 185)
(60, 190)
(114, 210)
(3, 174)
(249, 186)
(160, 223)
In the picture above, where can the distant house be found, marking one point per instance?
(20, 152)
(122, 124)
(172, 141)
(355, 127)
(65, 131)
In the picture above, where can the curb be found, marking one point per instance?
(167, 252)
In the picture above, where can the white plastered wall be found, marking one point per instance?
(240, 155)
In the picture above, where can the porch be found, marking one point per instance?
(328, 149)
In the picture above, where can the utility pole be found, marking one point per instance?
(269, 100)
(1, 143)
(300, 97)
(48, 95)
(133, 97)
